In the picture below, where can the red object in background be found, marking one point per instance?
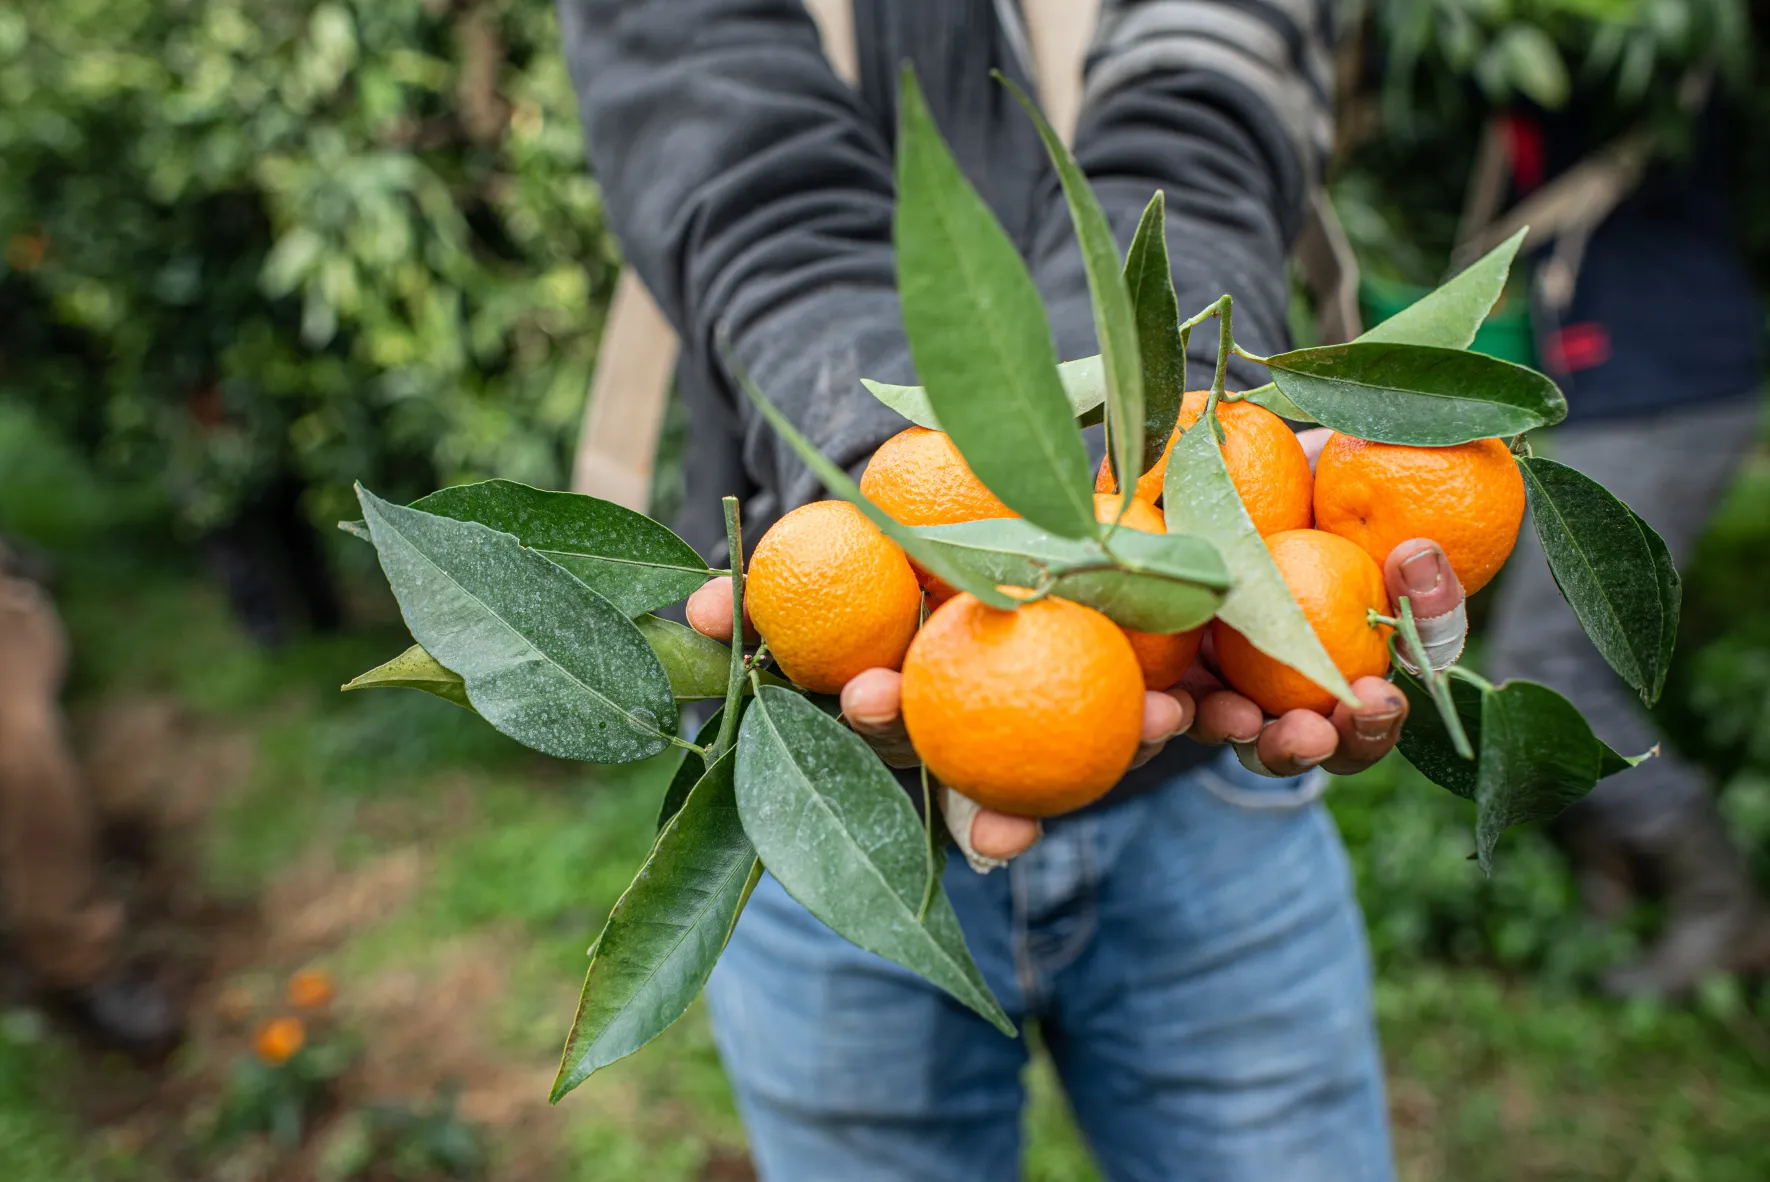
(1524, 144)
(1578, 346)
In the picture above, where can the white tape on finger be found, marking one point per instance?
(959, 812)
(1443, 638)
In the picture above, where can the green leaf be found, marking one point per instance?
(1599, 553)
(979, 337)
(1418, 394)
(546, 660)
(1201, 500)
(1150, 582)
(1671, 603)
(1084, 386)
(1273, 399)
(1115, 323)
(699, 667)
(414, 669)
(1450, 316)
(1151, 282)
(1426, 744)
(840, 483)
(356, 529)
(626, 557)
(690, 770)
(1538, 755)
(665, 935)
(834, 826)
(1425, 740)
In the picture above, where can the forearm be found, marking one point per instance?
(1223, 107)
(755, 202)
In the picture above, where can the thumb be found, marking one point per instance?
(988, 839)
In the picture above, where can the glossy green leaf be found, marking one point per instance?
(690, 770)
(699, 667)
(666, 933)
(1150, 582)
(1612, 576)
(1671, 603)
(1450, 316)
(1426, 741)
(1201, 500)
(835, 827)
(1115, 322)
(1537, 756)
(1418, 394)
(979, 337)
(626, 557)
(1083, 380)
(1163, 358)
(546, 660)
(414, 669)
(840, 483)
(1273, 399)
(1426, 744)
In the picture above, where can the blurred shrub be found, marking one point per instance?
(333, 239)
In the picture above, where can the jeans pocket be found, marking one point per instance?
(1227, 780)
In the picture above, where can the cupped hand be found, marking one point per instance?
(1352, 738)
(871, 703)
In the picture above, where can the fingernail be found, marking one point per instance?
(1375, 726)
(1304, 763)
(1422, 573)
(871, 719)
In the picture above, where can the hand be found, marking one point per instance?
(33, 652)
(871, 701)
(1349, 740)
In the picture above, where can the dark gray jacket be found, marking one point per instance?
(752, 190)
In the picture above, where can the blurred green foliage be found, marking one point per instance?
(332, 239)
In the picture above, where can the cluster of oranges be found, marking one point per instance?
(1039, 711)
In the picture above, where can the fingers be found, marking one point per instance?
(871, 704)
(1296, 741)
(1225, 716)
(1002, 836)
(1418, 569)
(1371, 731)
(709, 611)
(1165, 714)
(1313, 440)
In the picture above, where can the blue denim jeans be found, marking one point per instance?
(1194, 959)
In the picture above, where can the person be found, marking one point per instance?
(67, 928)
(1190, 948)
(1655, 341)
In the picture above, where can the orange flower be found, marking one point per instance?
(279, 1039)
(310, 989)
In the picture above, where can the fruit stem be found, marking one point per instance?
(734, 683)
(1436, 683)
(1225, 346)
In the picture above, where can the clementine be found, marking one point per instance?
(1337, 585)
(1468, 498)
(831, 595)
(1264, 459)
(1035, 711)
(1163, 657)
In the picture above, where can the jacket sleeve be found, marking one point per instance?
(754, 198)
(1225, 105)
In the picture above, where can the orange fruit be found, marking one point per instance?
(831, 595)
(279, 1039)
(1036, 711)
(1262, 454)
(1338, 586)
(1468, 498)
(1163, 657)
(919, 478)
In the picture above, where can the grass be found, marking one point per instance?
(1501, 1066)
